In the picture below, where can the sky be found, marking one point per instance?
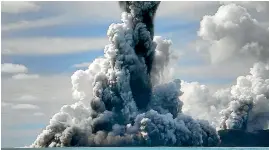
(44, 43)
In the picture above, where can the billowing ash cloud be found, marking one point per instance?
(121, 101)
(233, 33)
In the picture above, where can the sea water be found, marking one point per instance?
(145, 148)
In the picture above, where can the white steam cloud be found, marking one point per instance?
(200, 103)
(233, 33)
(244, 106)
(124, 98)
(249, 108)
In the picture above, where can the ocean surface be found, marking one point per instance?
(145, 148)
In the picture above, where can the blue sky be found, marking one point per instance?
(43, 42)
(51, 64)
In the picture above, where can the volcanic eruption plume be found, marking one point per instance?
(120, 99)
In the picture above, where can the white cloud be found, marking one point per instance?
(24, 106)
(201, 103)
(39, 114)
(81, 65)
(19, 72)
(232, 33)
(100, 12)
(52, 91)
(48, 45)
(67, 13)
(23, 76)
(196, 10)
(258, 9)
(247, 90)
(26, 97)
(13, 68)
(18, 7)
(47, 92)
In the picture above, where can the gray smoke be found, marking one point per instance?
(127, 105)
